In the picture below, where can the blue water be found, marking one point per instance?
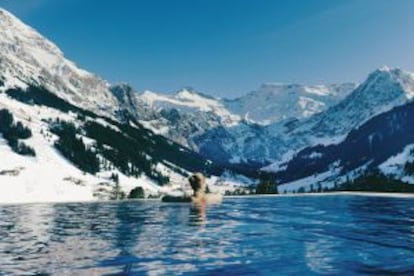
(253, 236)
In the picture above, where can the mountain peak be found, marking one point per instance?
(386, 76)
(386, 71)
(384, 68)
(190, 93)
(122, 90)
(15, 32)
(390, 70)
(186, 91)
(122, 86)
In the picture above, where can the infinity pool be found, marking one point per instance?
(334, 234)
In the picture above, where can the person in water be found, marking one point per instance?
(200, 194)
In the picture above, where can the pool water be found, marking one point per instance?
(334, 234)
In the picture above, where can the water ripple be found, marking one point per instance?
(290, 235)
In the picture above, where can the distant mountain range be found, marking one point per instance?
(195, 120)
(304, 136)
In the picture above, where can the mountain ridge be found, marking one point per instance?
(268, 129)
(29, 58)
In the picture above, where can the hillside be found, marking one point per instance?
(69, 135)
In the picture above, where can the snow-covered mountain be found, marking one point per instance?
(369, 132)
(66, 134)
(271, 124)
(77, 155)
(273, 103)
(190, 101)
(26, 57)
(383, 145)
(384, 89)
(301, 120)
(235, 130)
(90, 139)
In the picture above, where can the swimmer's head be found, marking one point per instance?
(197, 182)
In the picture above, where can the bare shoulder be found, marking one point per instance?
(213, 198)
(208, 199)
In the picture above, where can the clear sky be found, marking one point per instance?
(226, 47)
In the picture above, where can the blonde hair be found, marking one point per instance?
(197, 182)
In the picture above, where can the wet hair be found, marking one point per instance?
(197, 182)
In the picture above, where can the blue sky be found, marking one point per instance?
(226, 47)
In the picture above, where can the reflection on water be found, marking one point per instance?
(287, 235)
(198, 214)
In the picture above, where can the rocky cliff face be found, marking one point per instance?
(26, 57)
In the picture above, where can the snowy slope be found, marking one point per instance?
(190, 101)
(277, 142)
(48, 176)
(179, 117)
(235, 130)
(395, 165)
(277, 120)
(26, 57)
(32, 69)
(269, 104)
(383, 143)
(272, 103)
(383, 90)
(271, 126)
